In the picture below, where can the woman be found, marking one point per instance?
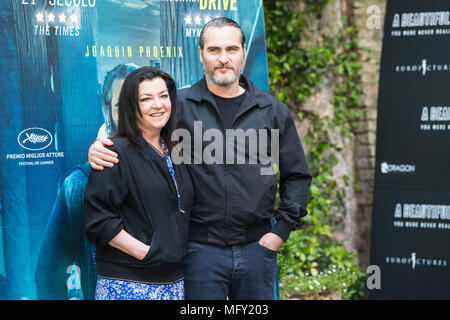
(137, 212)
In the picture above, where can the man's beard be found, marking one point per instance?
(221, 80)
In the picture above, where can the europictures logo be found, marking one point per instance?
(424, 67)
(34, 139)
(387, 168)
(417, 262)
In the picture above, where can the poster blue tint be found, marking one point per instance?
(60, 61)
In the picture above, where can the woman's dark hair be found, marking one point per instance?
(129, 106)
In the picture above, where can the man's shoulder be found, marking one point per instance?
(191, 91)
(183, 92)
(278, 104)
(263, 97)
(266, 99)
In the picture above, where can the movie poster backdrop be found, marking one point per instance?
(411, 212)
(59, 59)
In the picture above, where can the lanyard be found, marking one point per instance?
(172, 172)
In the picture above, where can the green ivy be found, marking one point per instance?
(312, 260)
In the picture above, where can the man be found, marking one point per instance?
(232, 245)
(66, 264)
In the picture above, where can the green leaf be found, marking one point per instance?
(314, 191)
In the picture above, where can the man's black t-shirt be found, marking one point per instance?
(228, 107)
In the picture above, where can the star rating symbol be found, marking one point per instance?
(62, 17)
(197, 20)
(51, 17)
(73, 18)
(40, 17)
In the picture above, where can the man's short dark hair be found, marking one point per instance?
(219, 23)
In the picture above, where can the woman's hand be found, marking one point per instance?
(130, 245)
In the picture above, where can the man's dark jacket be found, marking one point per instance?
(234, 203)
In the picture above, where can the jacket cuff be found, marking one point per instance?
(111, 230)
(282, 229)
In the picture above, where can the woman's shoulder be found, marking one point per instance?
(120, 144)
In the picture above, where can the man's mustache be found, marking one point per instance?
(223, 66)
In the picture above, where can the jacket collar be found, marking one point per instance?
(199, 91)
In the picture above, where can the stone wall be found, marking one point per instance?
(357, 160)
(368, 16)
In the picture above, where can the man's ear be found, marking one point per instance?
(200, 54)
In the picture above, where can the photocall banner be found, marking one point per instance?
(411, 211)
(59, 63)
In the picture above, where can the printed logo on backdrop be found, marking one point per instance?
(435, 118)
(206, 11)
(421, 216)
(34, 139)
(397, 168)
(193, 24)
(424, 67)
(421, 24)
(418, 262)
(61, 18)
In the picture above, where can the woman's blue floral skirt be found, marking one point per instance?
(109, 289)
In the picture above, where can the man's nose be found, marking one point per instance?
(223, 58)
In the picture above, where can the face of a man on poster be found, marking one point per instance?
(223, 55)
(115, 89)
